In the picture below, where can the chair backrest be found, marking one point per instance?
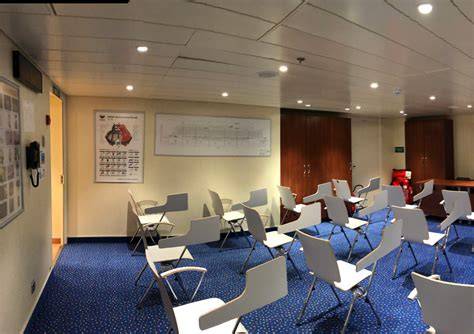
(391, 238)
(451, 196)
(337, 210)
(265, 284)
(320, 258)
(200, 231)
(427, 191)
(174, 203)
(216, 203)
(374, 184)
(255, 224)
(135, 207)
(165, 298)
(287, 198)
(310, 215)
(395, 195)
(380, 202)
(257, 198)
(447, 307)
(415, 227)
(324, 189)
(342, 189)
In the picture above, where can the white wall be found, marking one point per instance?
(392, 134)
(25, 244)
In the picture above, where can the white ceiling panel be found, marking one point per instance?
(270, 10)
(43, 9)
(466, 7)
(172, 12)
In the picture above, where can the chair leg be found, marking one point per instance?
(225, 239)
(140, 302)
(435, 261)
(345, 235)
(395, 267)
(270, 251)
(245, 235)
(368, 241)
(310, 291)
(332, 231)
(352, 247)
(134, 236)
(412, 253)
(136, 246)
(339, 302)
(244, 266)
(456, 231)
(351, 307)
(316, 229)
(294, 265)
(368, 301)
(447, 260)
(284, 216)
(141, 273)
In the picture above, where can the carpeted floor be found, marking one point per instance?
(91, 289)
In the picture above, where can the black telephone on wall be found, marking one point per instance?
(33, 161)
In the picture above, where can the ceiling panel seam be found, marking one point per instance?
(281, 22)
(461, 11)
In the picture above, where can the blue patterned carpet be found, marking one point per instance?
(91, 289)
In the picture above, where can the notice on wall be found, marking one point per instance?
(11, 186)
(119, 146)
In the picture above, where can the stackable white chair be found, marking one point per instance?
(270, 240)
(337, 212)
(233, 218)
(288, 201)
(450, 197)
(310, 216)
(342, 275)
(447, 307)
(149, 222)
(344, 192)
(264, 285)
(427, 190)
(258, 198)
(396, 197)
(415, 230)
(374, 185)
(324, 189)
(169, 252)
(380, 202)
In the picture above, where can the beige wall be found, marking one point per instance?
(25, 243)
(99, 209)
(463, 145)
(393, 134)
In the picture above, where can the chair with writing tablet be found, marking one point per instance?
(374, 185)
(396, 197)
(170, 252)
(344, 192)
(258, 199)
(342, 275)
(265, 284)
(288, 200)
(427, 190)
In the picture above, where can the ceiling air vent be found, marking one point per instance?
(267, 74)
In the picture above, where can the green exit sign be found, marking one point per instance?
(399, 149)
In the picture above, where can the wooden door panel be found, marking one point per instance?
(415, 149)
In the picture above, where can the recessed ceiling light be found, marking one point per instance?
(432, 97)
(402, 112)
(283, 68)
(142, 48)
(425, 8)
(307, 105)
(469, 106)
(358, 107)
(225, 94)
(374, 85)
(299, 101)
(347, 109)
(129, 88)
(405, 114)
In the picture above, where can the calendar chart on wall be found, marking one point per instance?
(185, 135)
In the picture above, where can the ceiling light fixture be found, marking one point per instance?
(225, 94)
(402, 111)
(374, 85)
(299, 101)
(142, 48)
(358, 107)
(469, 106)
(129, 88)
(307, 105)
(425, 8)
(283, 68)
(432, 97)
(347, 109)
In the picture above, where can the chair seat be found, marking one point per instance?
(411, 206)
(275, 239)
(355, 223)
(433, 238)
(187, 318)
(350, 277)
(152, 219)
(298, 208)
(354, 200)
(157, 254)
(471, 216)
(231, 216)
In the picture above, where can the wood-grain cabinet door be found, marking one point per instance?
(415, 149)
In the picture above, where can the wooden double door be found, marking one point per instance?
(315, 148)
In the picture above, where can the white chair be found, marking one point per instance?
(427, 190)
(324, 189)
(337, 212)
(258, 198)
(264, 285)
(396, 197)
(288, 201)
(169, 252)
(342, 275)
(310, 216)
(447, 307)
(450, 197)
(270, 240)
(380, 202)
(374, 185)
(415, 230)
(149, 222)
(344, 192)
(233, 218)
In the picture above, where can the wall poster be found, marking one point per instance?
(119, 146)
(11, 182)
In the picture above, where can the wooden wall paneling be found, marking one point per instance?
(415, 149)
